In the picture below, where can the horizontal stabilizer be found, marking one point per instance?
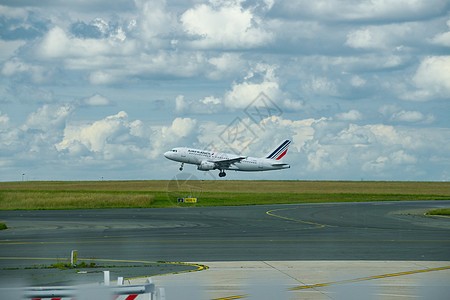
(279, 165)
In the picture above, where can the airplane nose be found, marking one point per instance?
(168, 154)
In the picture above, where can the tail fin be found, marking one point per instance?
(279, 151)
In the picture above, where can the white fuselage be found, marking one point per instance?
(209, 160)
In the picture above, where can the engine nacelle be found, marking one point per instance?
(206, 166)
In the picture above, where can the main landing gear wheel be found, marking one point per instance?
(181, 167)
(222, 174)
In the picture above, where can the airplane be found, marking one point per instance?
(210, 160)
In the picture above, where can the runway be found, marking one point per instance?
(375, 231)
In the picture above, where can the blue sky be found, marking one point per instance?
(101, 89)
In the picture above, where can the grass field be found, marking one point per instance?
(156, 193)
(439, 212)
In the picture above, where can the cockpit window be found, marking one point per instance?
(174, 150)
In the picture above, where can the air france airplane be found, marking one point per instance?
(209, 160)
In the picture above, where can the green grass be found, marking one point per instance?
(158, 193)
(47, 199)
(68, 265)
(3, 226)
(65, 266)
(440, 212)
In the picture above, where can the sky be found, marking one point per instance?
(99, 90)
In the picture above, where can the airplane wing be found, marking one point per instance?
(225, 163)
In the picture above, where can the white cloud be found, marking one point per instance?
(207, 105)
(408, 116)
(260, 79)
(144, 66)
(378, 165)
(432, 79)
(369, 151)
(96, 100)
(364, 38)
(102, 77)
(366, 10)
(57, 44)
(13, 12)
(181, 127)
(49, 118)
(293, 105)
(387, 135)
(95, 137)
(226, 25)
(352, 115)
(180, 104)
(400, 158)
(15, 66)
(32, 143)
(117, 138)
(154, 20)
(177, 134)
(357, 81)
(381, 36)
(412, 117)
(4, 121)
(8, 48)
(395, 160)
(360, 63)
(242, 94)
(320, 86)
(324, 146)
(442, 39)
(226, 65)
(388, 109)
(211, 100)
(114, 137)
(318, 160)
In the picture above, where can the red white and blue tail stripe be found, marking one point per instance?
(279, 151)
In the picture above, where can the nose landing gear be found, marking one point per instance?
(181, 167)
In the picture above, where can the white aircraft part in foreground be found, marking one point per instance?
(209, 160)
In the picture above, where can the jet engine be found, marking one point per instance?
(206, 166)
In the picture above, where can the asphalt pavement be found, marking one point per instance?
(338, 231)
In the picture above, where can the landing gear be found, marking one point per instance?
(222, 173)
(181, 167)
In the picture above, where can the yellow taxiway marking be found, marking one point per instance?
(318, 225)
(233, 297)
(370, 278)
(349, 281)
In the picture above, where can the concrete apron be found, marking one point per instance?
(310, 280)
